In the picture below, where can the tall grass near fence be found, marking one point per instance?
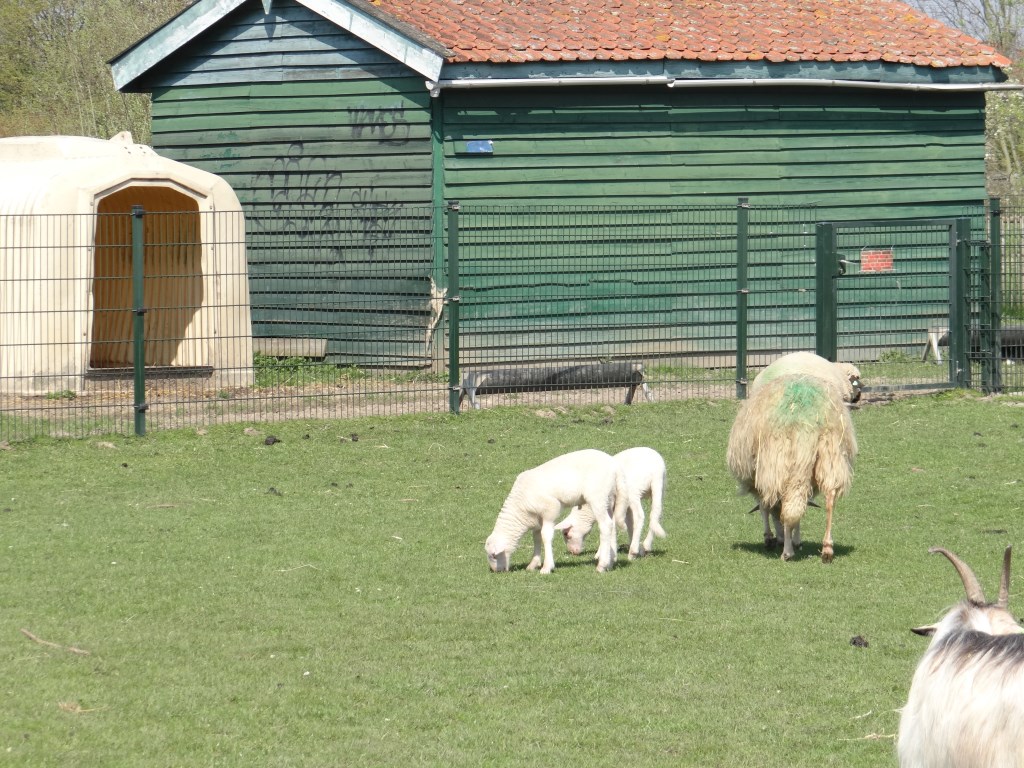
(316, 594)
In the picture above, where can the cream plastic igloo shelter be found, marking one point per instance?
(66, 301)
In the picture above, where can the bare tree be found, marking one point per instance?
(1001, 24)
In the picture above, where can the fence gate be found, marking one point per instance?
(892, 297)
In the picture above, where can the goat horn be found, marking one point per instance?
(1004, 581)
(975, 594)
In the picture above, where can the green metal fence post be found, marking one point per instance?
(742, 292)
(452, 300)
(959, 314)
(139, 321)
(995, 294)
(826, 270)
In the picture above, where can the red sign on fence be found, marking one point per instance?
(876, 260)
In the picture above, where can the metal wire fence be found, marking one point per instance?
(119, 323)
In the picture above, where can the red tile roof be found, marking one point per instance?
(520, 31)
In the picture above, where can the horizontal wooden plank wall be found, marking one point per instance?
(853, 153)
(662, 284)
(327, 142)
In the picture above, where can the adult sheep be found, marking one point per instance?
(845, 376)
(966, 703)
(792, 439)
(539, 496)
(643, 472)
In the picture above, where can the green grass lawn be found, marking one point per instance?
(206, 599)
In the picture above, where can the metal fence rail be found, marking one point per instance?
(114, 322)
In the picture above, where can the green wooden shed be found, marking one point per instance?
(387, 109)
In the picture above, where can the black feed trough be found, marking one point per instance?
(588, 376)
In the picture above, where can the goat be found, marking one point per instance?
(538, 497)
(966, 703)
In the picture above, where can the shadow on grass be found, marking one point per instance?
(808, 550)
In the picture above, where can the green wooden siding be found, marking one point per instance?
(327, 142)
(603, 223)
(807, 154)
(849, 151)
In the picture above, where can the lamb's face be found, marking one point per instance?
(574, 539)
(497, 553)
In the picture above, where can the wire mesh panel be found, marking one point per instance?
(1010, 268)
(45, 325)
(192, 317)
(781, 270)
(592, 299)
(346, 310)
(893, 299)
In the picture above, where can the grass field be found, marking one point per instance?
(206, 599)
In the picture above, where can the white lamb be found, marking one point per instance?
(643, 472)
(539, 496)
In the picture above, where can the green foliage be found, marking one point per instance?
(54, 77)
(1005, 138)
(63, 394)
(896, 356)
(325, 600)
(272, 371)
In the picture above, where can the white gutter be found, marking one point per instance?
(435, 87)
(868, 84)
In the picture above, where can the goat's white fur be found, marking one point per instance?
(539, 496)
(966, 702)
(642, 471)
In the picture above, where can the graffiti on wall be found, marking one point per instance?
(303, 193)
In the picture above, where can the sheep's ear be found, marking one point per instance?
(926, 631)
(565, 525)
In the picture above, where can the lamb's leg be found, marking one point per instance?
(537, 550)
(547, 533)
(635, 527)
(826, 544)
(654, 526)
(606, 548)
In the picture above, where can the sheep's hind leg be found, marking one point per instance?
(791, 512)
(771, 515)
(827, 553)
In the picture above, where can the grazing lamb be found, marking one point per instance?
(538, 497)
(792, 439)
(643, 472)
(845, 375)
(966, 703)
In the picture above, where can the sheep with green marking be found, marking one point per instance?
(846, 376)
(793, 439)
